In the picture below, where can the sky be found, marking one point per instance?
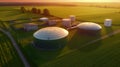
(59, 0)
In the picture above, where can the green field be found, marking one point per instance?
(100, 54)
(104, 53)
(8, 55)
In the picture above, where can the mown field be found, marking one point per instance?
(104, 53)
(8, 55)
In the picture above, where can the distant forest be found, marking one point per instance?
(34, 4)
(100, 5)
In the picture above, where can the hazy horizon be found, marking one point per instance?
(60, 1)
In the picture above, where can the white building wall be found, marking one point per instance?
(73, 18)
(66, 22)
(52, 22)
(44, 19)
(108, 22)
(30, 27)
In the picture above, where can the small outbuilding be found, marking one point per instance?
(89, 28)
(30, 26)
(50, 38)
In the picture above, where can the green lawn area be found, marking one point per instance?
(8, 55)
(104, 53)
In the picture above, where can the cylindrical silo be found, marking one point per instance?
(108, 22)
(66, 22)
(73, 18)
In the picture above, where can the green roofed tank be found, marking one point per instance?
(50, 38)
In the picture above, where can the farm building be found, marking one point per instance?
(30, 26)
(66, 22)
(89, 28)
(50, 38)
(108, 22)
(52, 22)
(44, 19)
(72, 17)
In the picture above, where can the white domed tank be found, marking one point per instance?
(89, 28)
(50, 37)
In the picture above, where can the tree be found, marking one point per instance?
(23, 9)
(39, 11)
(28, 11)
(46, 12)
(34, 10)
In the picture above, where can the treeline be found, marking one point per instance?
(35, 4)
(34, 10)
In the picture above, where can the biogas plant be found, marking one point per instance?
(56, 37)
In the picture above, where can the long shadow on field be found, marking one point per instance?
(91, 47)
(84, 42)
(108, 30)
(39, 57)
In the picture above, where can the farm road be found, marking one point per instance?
(26, 64)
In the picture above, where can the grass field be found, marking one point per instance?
(8, 55)
(104, 53)
(11, 13)
(100, 54)
(94, 14)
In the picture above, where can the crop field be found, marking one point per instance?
(8, 55)
(11, 13)
(94, 14)
(103, 53)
